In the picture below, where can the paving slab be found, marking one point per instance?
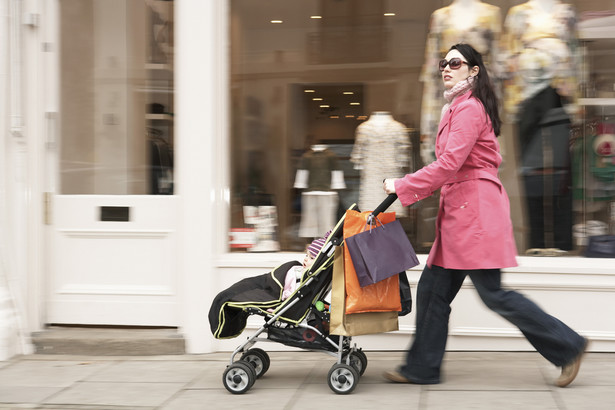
(298, 380)
(116, 394)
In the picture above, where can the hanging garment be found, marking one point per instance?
(318, 213)
(319, 175)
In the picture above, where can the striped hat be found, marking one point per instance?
(317, 245)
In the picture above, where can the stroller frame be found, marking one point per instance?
(240, 375)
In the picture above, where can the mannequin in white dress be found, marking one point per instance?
(382, 147)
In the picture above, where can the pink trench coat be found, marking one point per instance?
(473, 228)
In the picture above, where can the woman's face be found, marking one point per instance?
(451, 77)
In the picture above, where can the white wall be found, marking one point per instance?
(578, 291)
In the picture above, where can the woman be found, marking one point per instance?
(474, 235)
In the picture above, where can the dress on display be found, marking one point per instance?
(381, 150)
(319, 175)
(445, 31)
(540, 46)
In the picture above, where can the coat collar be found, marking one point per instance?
(446, 117)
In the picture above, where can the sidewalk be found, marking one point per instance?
(298, 380)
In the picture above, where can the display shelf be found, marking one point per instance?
(597, 101)
(159, 117)
(158, 66)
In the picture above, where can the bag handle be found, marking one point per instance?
(388, 201)
(371, 220)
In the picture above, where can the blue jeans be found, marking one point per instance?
(436, 290)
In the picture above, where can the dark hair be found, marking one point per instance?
(483, 87)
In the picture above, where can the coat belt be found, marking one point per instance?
(480, 173)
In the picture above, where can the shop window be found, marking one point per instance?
(116, 97)
(308, 78)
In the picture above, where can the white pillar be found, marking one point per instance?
(8, 90)
(200, 156)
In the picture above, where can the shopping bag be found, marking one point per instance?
(354, 324)
(601, 246)
(379, 297)
(405, 294)
(381, 252)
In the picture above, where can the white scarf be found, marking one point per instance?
(458, 89)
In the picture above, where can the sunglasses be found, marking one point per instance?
(454, 63)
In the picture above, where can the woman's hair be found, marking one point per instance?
(483, 87)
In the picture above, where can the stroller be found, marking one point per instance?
(299, 321)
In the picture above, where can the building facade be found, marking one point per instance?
(156, 152)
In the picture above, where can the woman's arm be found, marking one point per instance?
(467, 121)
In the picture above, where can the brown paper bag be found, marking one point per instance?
(356, 323)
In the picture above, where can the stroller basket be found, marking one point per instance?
(310, 337)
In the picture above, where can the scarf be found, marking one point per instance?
(458, 89)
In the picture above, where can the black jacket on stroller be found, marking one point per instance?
(227, 315)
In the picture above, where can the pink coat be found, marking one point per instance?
(473, 228)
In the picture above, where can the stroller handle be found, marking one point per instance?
(388, 201)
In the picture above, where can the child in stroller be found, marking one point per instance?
(292, 298)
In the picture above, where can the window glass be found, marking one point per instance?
(116, 96)
(328, 97)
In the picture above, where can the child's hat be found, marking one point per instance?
(317, 245)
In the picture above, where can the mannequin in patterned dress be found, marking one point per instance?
(382, 147)
(540, 48)
(464, 21)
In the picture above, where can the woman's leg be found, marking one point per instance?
(558, 343)
(436, 290)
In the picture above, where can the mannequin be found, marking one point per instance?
(539, 56)
(319, 175)
(469, 21)
(539, 44)
(382, 147)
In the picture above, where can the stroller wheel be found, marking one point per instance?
(259, 359)
(358, 360)
(343, 378)
(239, 377)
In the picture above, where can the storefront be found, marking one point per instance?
(182, 146)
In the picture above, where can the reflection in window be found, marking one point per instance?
(116, 96)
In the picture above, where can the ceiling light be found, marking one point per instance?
(276, 21)
(316, 99)
(309, 91)
(324, 106)
(389, 14)
(355, 103)
(315, 17)
(334, 116)
(348, 93)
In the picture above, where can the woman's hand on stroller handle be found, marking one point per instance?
(389, 185)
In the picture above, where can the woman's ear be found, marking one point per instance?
(474, 71)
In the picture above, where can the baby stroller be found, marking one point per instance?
(299, 321)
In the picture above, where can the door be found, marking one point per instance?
(112, 242)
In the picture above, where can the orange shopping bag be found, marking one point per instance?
(382, 296)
